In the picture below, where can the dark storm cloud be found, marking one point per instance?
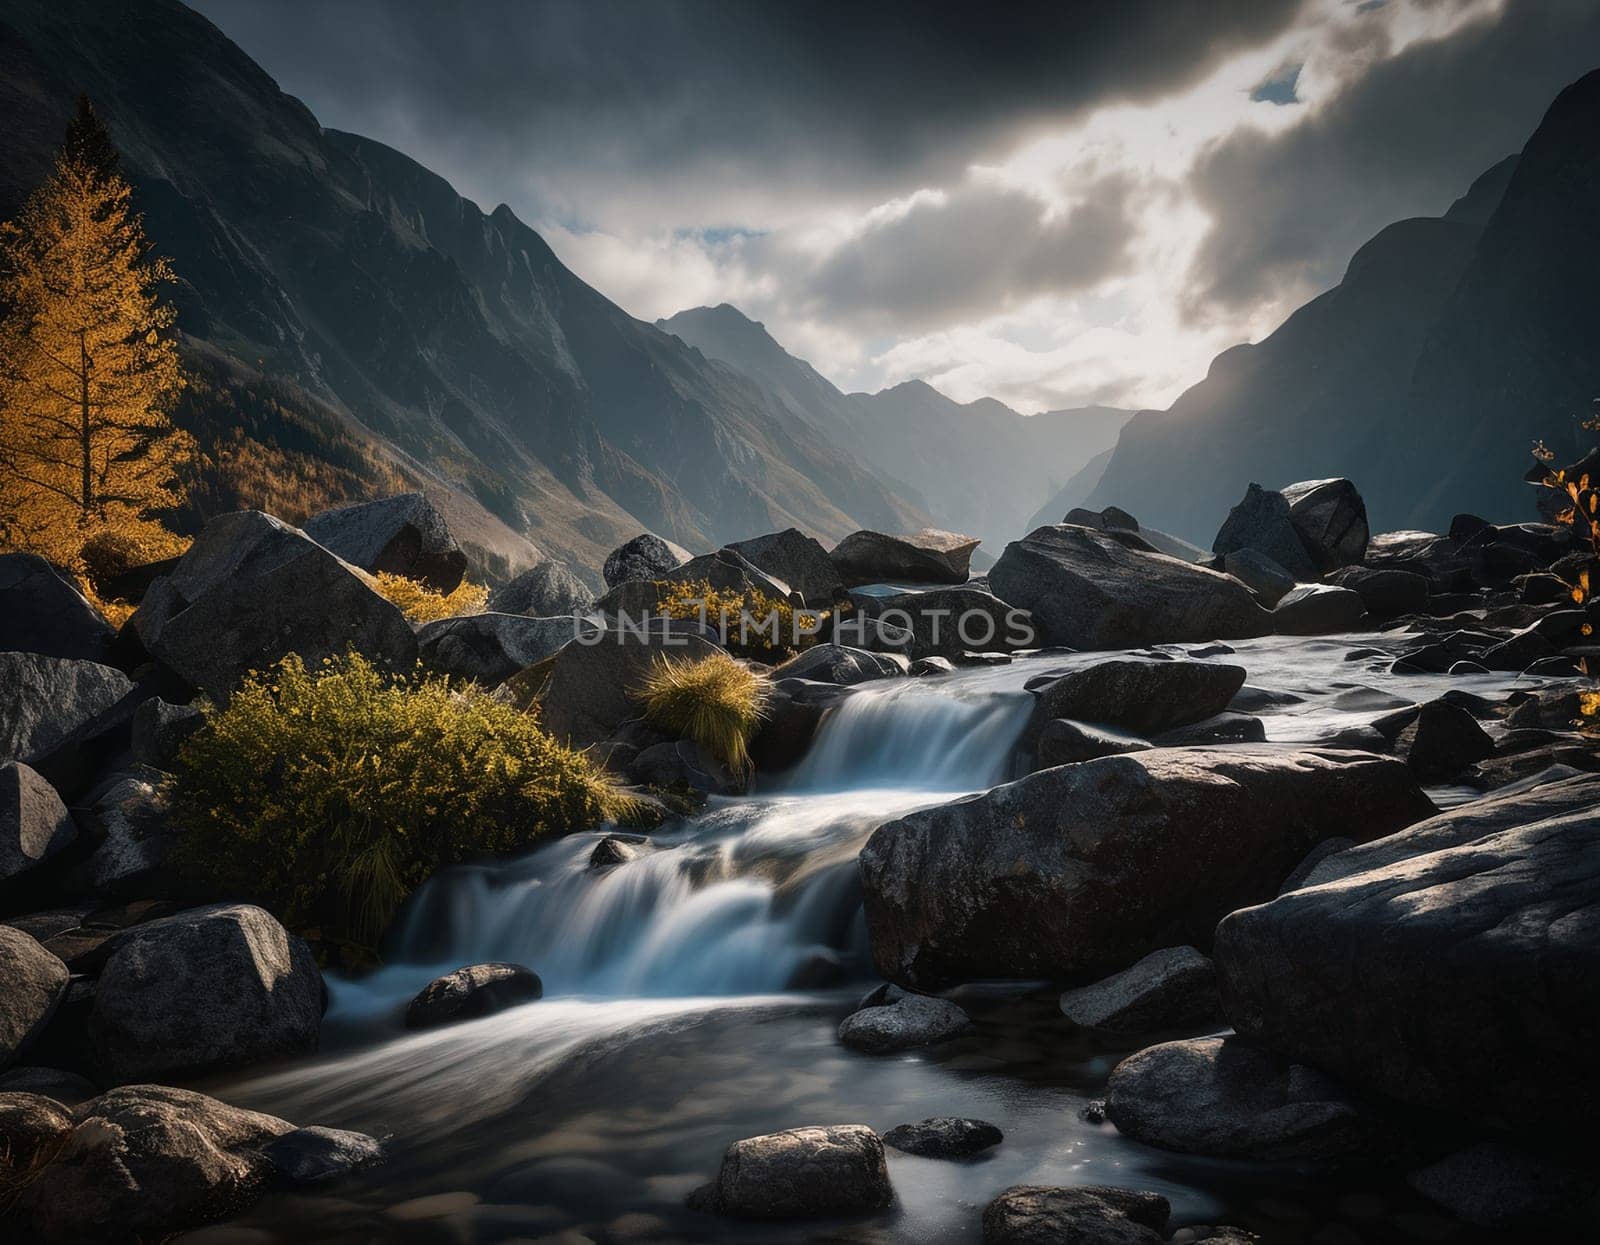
(869, 96)
(1406, 138)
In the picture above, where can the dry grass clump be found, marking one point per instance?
(714, 701)
(421, 604)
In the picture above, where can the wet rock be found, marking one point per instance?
(1229, 1098)
(618, 849)
(1226, 727)
(470, 992)
(592, 685)
(946, 622)
(1173, 987)
(1085, 868)
(1331, 520)
(251, 590)
(491, 648)
(818, 971)
(1065, 742)
(1256, 571)
(1543, 588)
(160, 729)
(316, 1155)
(1261, 522)
(930, 556)
(1139, 695)
(32, 985)
(64, 1087)
(212, 988)
(909, 1021)
(925, 666)
(1086, 590)
(42, 611)
(1495, 1186)
(401, 535)
(794, 711)
(1441, 741)
(1317, 609)
(34, 824)
(1465, 980)
(128, 818)
(801, 1173)
(944, 1137)
(1387, 593)
(548, 590)
(644, 557)
(1519, 651)
(798, 560)
(44, 701)
(145, 1161)
(1090, 1214)
(839, 665)
(684, 762)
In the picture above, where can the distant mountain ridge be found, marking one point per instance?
(979, 466)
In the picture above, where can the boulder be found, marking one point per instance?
(855, 629)
(316, 1155)
(930, 556)
(32, 985)
(34, 824)
(1087, 591)
(45, 701)
(1065, 742)
(490, 648)
(728, 571)
(838, 664)
(472, 991)
(209, 989)
(1387, 593)
(1085, 868)
(801, 1173)
(33, 1128)
(945, 622)
(251, 590)
(129, 821)
(147, 1161)
(1227, 727)
(1493, 1185)
(65, 1087)
(1111, 517)
(1259, 573)
(1466, 980)
(910, 1020)
(1085, 1215)
(682, 762)
(1261, 521)
(160, 729)
(42, 611)
(401, 535)
(925, 666)
(944, 1137)
(1441, 741)
(1167, 989)
(1316, 609)
(1228, 1098)
(548, 590)
(644, 557)
(797, 560)
(1331, 520)
(619, 849)
(1139, 694)
(594, 679)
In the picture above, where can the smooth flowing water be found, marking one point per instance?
(671, 1026)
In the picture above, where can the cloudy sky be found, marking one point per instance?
(1053, 204)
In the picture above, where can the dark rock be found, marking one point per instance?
(855, 629)
(1140, 695)
(1441, 741)
(1519, 651)
(548, 590)
(1385, 592)
(682, 761)
(45, 700)
(1086, 868)
(794, 711)
(160, 729)
(82, 950)
(252, 590)
(491, 648)
(944, 1137)
(33, 1129)
(838, 664)
(1495, 1186)
(1317, 609)
(801, 1173)
(317, 1155)
(64, 1087)
(727, 571)
(1086, 590)
(910, 1020)
(798, 560)
(1086, 1215)
(1322, 851)
(212, 988)
(1229, 1098)
(1261, 521)
(1110, 517)
(1226, 727)
(818, 971)
(1259, 573)
(401, 535)
(925, 666)
(42, 611)
(946, 622)
(1173, 987)
(32, 984)
(926, 557)
(470, 992)
(618, 849)
(1064, 742)
(1542, 588)
(592, 685)
(1466, 980)
(1331, 520)
(644, 557)
(128, 820)
(34, 824)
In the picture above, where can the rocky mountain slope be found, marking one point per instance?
(454, 340)
(982, 467)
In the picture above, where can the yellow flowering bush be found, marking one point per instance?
(421, 604)
(1580, 510)
(770, 628)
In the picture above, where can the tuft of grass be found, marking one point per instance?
(328, 795)
(421, 604)
(714, 701)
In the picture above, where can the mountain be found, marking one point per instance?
(451, 343)
(979, 466)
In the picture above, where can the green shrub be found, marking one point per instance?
(328, 795)
(714, 701)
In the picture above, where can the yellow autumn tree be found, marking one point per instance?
(89, 366)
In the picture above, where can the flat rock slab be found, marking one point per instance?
(1167, 989)
(909, 1021)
